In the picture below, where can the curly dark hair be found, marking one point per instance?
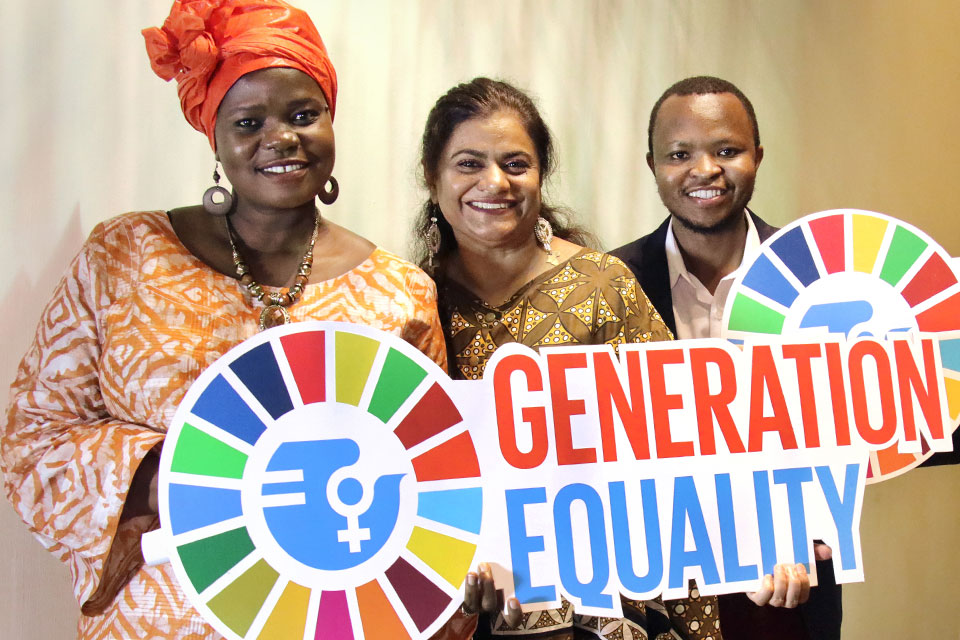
(699, 86)
(480, 98)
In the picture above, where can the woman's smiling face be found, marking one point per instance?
(275, 138)
(487, 182)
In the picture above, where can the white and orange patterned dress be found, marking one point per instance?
(132, 324)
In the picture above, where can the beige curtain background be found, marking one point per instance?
(856, 102)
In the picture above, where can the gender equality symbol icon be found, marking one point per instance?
(322, 516)
(319, 482)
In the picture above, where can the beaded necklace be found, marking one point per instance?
(275, 311)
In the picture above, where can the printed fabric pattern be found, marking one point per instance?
(592, 298)
(133, 323)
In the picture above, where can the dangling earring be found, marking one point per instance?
(329, 197)
(210, 196)
(544, 233)
(433, 239)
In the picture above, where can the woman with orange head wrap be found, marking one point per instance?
(155, 297)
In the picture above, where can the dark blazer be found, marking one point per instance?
(740, 619)
(647, 258)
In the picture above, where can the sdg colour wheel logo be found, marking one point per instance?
(301, 488)
(853, 274)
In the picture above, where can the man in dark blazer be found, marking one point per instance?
(704, 150)
(647, 258)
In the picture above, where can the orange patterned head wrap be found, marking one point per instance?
(207, 45)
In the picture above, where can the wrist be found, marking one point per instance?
(142, 496)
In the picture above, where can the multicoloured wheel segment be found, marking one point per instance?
(854, 273)
(276, 527)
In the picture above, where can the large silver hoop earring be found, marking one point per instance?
(544, 234)
(217, 201)
(433, 239)
(328, 197)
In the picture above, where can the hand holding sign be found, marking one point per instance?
(788, 587)
(482, 596)
(585, 473)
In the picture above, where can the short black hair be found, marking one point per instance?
(698, 86)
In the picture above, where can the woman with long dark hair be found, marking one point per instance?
(511, 268)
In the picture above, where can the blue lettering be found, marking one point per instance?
(794, 479)
(522, 545)
(733, 571)
(621, 538)
(768, 543)
(686, 506)
(842, 510)
(590, 593)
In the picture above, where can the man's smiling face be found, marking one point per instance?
(704, 159)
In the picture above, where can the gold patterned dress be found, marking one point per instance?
(134, 322)
(592, 298)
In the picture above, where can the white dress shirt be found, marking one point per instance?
(697, 312)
